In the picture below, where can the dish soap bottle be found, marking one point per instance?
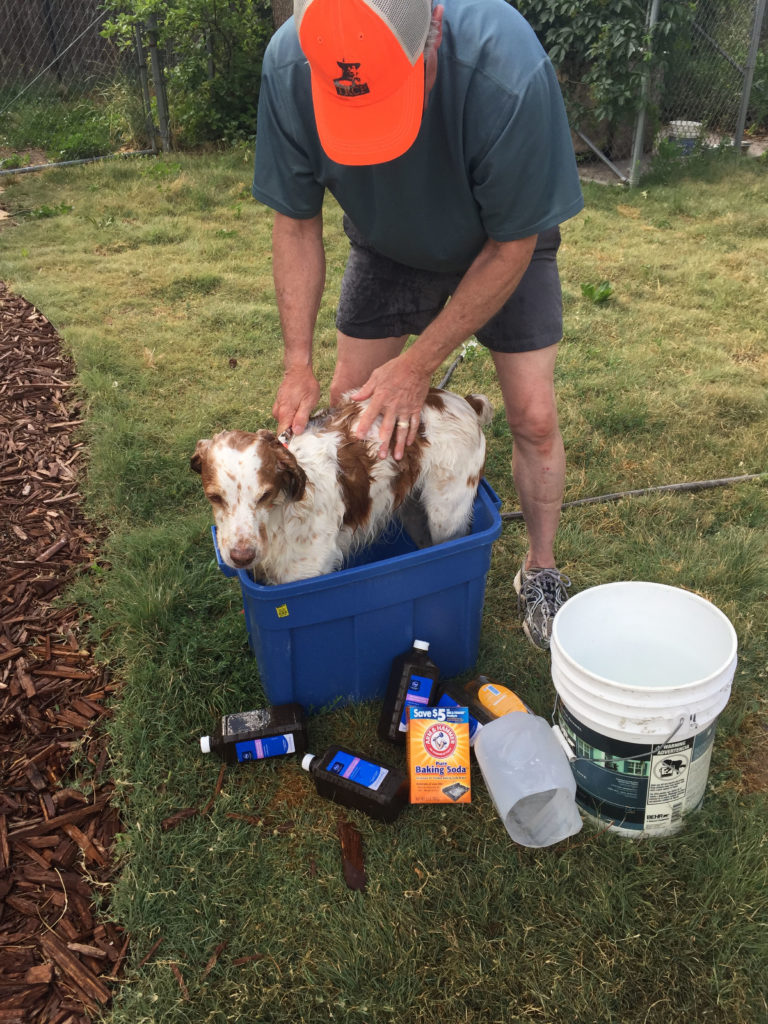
(347, 778)
(497, 699)
(255, 735)
(452, 694)
(413, 680)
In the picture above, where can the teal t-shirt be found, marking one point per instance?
(493, 157)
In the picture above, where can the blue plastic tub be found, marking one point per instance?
(332, 638)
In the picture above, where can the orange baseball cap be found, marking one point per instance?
(366, 59)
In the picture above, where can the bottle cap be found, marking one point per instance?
(205, 744)
(306, 761)
(421, 645)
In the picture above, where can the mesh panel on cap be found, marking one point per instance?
(408, 19)
(299, 6)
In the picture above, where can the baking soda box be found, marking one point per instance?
(437, 748)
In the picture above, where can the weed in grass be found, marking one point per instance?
(598, 293)
(188, 286)
(13, 162)
(45, 212)
(160, 169)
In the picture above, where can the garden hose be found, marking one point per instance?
(694, 485)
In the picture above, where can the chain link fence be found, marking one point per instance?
(66, 93)
(709, 81)
(705, 84)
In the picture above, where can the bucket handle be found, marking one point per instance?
(573, 756)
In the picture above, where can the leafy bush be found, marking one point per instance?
(601, 50)
(213, 55)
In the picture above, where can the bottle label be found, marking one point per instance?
(270, 746)
(354, 768)
(446, 701)
(417, 693)
(499, 699)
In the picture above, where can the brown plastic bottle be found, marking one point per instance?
(413, 680)
(255, 735)
(345, 777)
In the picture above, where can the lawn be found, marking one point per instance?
(157, 275)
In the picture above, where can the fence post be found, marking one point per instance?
(637, 147)
(749, 72)
(143, 80)
(158, 77)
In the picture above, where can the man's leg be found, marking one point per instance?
(357, 358)
(538, 469)
(538, 457)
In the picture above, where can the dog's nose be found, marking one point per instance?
(242, 556)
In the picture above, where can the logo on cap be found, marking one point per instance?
(349, 83)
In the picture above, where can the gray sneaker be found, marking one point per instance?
(540, 592)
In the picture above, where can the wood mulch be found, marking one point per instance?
(60, 955)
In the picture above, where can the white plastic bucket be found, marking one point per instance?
(686, 134)
(642, 671)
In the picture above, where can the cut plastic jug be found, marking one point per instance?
(529, 779)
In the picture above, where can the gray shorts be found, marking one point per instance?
(384, 299)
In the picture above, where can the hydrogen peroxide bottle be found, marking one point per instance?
(413, 680)
(347, 778)
(453, 695)
(255, 735)
(498, 700)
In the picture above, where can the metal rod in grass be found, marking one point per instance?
(694, 485)
(465, 348)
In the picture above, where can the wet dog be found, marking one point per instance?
(290, 511)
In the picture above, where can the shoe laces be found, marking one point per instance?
(545, 587)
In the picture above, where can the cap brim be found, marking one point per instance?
(356, 131)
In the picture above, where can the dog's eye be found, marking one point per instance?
(215, 499)
(266, 497)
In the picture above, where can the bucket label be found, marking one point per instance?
(638, 788)
(270, 746)
(678, 779)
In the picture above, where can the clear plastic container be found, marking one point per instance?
(529, 779)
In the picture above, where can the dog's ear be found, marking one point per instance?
(196, 462)
(289, 476)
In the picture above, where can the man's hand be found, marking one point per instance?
(297, 396)
(397, 390)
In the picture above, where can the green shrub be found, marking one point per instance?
(601, 50)
(213, 54)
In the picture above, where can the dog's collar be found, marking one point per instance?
(285, 437)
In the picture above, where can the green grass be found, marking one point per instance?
(103, 120)
(157, 274)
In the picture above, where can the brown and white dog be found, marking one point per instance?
(292, 511)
